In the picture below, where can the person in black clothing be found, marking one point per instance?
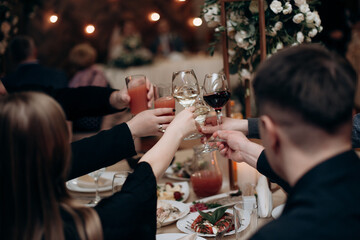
(36, 157)
(305, 97)
(28, 70)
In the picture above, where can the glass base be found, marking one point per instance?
(212, 139)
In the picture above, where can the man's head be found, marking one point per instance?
(305, 90)
(22, 48)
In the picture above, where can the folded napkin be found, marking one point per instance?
(189, 237)
(264, 197)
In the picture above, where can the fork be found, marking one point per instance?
(219, 235)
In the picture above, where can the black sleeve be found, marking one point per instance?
(131, 213)
(102, 150)
(77, 102)
(253, 127)
(264, 168)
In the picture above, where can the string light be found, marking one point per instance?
(154, 16)
(89, 29)
(53, 18)
(197, 22)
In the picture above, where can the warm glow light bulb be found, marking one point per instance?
(154, 16)
(89, 29)
(197, 22)
(53, 18)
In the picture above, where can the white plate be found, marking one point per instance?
(183, 208)
(174, 236)
(184, 224)
(169, 173)
(276, 212)
(184, 189)
(84, 186)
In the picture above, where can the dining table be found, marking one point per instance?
(278, 195)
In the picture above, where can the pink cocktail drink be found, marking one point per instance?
(138, 101)
(165, 102)
(206, 183)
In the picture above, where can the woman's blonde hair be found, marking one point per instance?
(82, 55)
(35, 159)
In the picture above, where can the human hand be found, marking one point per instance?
(146, 123)
(150, 93)
(227, 124)
(237, 147)
(184, 123)
(119, 99)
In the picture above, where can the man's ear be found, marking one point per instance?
(270, 132)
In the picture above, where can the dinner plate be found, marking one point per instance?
(184, 189)
(169, 173)
(183, 208)
(276, 212)
(174, 236)
(184, 224)
(79, 185)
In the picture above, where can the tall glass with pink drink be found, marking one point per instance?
(136, 86)
(164, 98)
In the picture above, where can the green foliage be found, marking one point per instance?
(213, 217)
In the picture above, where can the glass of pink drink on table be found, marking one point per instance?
(164, 98)
(136, 86)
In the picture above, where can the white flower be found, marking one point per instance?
(304, 8)
(212, 15)
(230, 27)
(245, 74)
(310, 17)
(231, 52)
(300, 2)
(321, 28)
(276, 6)
(317, 19)
(287, 8)
(298, 18)
(308, 39)
(278, 26)
(271, 33)
(240, 39)
(312, 33)
(279, 45)
(300, 37)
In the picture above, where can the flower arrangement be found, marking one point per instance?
(132, 53)
(287, 23)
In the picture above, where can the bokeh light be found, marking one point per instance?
(197, 22)
(90, 29)
(154, 17)
(53, 18)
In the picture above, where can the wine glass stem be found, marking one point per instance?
(218, 116)
(97, 197)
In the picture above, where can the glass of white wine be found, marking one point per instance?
(185, 89)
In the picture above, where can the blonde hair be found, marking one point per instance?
(82, 55)
(35, 159)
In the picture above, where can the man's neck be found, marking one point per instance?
(299, 162)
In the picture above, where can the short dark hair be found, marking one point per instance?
(310, 81)
(21, 47)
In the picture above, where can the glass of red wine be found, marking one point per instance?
(216, 95)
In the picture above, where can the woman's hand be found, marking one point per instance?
(227, 124)
(147, 123)
(184, 123)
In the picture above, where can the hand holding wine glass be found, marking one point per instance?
(216, 94)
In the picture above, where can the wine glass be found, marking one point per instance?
(185, 89)
(96, 175)
(216, 94)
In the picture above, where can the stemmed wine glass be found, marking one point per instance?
(216, 94)
(185, 89)
(96, 175)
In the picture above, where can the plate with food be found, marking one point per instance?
(178, 236)
(208, 224)
(219, 200)
(168, 212)
(178, 191)
(87, 184)
(179, 170)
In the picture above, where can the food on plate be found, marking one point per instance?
(231, 198)
(170, 191)
(165, 211)
(213, 222)
(182, 169)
